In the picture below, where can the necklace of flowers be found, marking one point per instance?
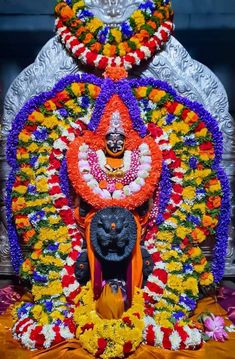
(93, 43)
(108, 338)
(131, 187)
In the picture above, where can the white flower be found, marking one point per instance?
(144, 149)
(145, 159)
(158, 336)
(60, 145)
(175, 340)
(84, 147)
(145, 167)
(82, 155)
(87, 177)
(134, 187)
(194, 336)
(97, 190)
(65, 333)
(140, 181)
(117, 194)
(70, 261)
(230, 328)
(84, 166)
(101, 159)
(93, 183)
(149, 321)
(106, 194)
(127, 160)
(126, 190)
(49, 335)
(146, 51)
(25, 338)
(153, 279)
(143, 174)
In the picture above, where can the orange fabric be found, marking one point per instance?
(70, 349)
(110, 305)
(137, 261)
(90, 252)
(114, 162)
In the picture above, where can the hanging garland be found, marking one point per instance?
(88, 39)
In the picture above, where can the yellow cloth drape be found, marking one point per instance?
(110, 305)
(10, 349)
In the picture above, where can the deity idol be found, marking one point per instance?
(115, 183)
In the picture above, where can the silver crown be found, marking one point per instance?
(115, 125)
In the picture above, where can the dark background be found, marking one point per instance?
(205, 28)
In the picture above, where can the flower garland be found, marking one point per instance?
(111, 337)
(101, 194)
(197, 206)
(96, 44)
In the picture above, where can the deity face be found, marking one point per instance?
(115, 144)
(113, 233)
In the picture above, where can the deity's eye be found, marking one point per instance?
(110, 142)
(81, 266)
(147, 262)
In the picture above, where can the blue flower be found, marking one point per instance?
(53, 247)
(126, 30)
(170, 118)
(24, 309)
(190, 142)
(36, 217)
(63, 112)
(31, 189)
(83, 14)
(103, 34)
(185, 300)
(193, 162)
(40, 134)
(147, 5)
(39, 278)
(178, 315)
(200, 191)
(187, 268)
(193, 219)
(48, 305)
(33, 160)
(85, 101)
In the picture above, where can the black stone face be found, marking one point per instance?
(115, 142)
(113, 233)
(148, 264)
(82, 269)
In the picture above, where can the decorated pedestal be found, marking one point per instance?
(115, 183)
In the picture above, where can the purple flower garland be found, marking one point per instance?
(165, 187)
(64, 180)
(219, 252)
(12, 143)
(15, 250)
(123, 89)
